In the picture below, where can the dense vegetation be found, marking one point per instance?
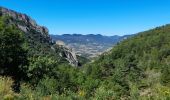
(29, 61)
(136, 68)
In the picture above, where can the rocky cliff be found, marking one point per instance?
(70, 56)
(25, 23)
(67, 53)
(37, 36)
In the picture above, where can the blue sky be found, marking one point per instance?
(107, 17)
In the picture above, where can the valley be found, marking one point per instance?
(89, 46)
(36, 65)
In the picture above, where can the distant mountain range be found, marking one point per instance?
(33, 67)
(89, 45)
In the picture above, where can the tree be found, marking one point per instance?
(13, 55)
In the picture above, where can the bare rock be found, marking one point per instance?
(26, 23)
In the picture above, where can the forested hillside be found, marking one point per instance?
(29, 59)
(32, 68)
(137, 68)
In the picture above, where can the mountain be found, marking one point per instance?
(25, 23)
(37, 37)
(137, 68)
(33, 67)
(89, 45)
(28, 55)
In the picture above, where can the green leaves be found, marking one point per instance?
(40, 66)
(12, 53)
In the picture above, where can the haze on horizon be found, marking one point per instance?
(106, 17)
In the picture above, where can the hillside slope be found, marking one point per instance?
(38, 39)
(137, 68)
(28, 57)
(31, 67)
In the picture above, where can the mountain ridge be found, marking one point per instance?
(25, 23)
(37, 37)
(90, 45)
(31, 67)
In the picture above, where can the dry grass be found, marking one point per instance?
(5, 85)
(5, 88)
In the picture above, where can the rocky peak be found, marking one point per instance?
(39, 33)
(25, 23)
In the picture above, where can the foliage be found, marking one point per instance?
(12, 52)
(137, 68)
(125, 66)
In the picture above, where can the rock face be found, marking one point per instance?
(25, 23)
(67, 53)
(61, 43)
(37, 35)
(70, 56)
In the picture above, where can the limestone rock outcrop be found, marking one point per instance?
(34, 32)
(25, 23)
(70, 56)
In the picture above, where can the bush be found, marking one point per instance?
(6, 92)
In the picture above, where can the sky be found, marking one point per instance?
(106, 17)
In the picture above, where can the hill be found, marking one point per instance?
(90, 45)
(37, 37)
(28, 56)
(32, 67)
(137, 68)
